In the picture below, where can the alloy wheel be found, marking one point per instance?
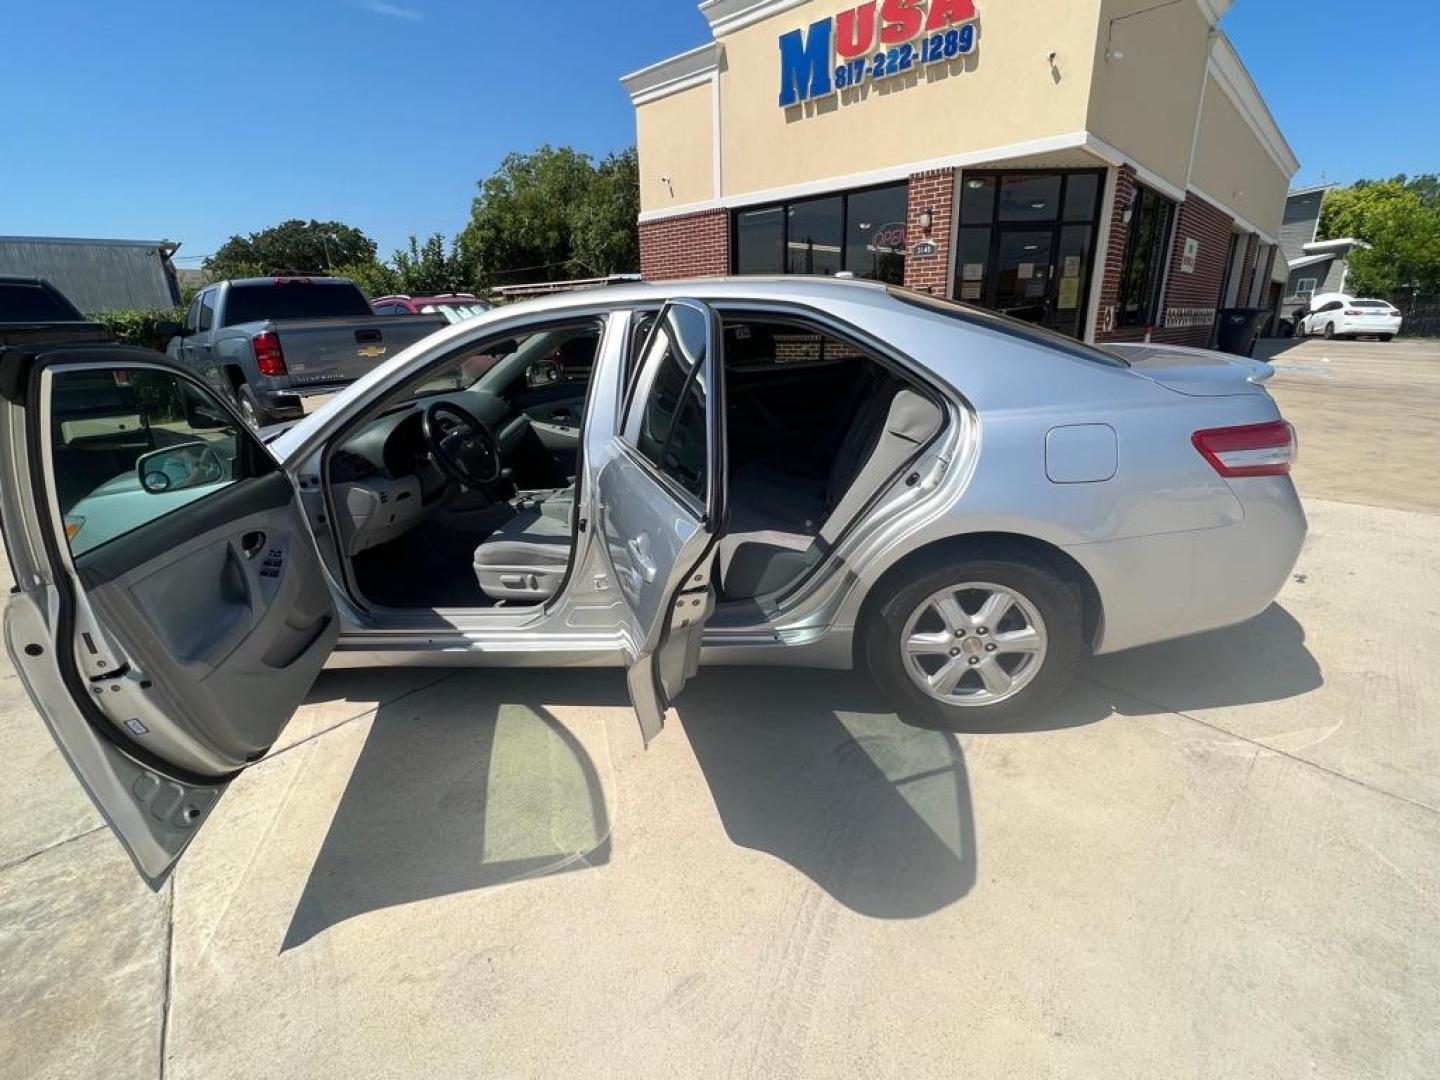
(974, 644)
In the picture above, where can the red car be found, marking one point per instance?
(453, 306)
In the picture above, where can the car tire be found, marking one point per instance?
(250, 408)
(901, 642)
(1387, 337)
(1329, 331)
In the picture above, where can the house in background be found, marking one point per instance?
(1316, 266)
(98, 275)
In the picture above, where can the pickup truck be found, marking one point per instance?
(271, 342)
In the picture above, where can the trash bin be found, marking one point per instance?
(1239, 326)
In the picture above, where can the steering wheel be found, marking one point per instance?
(461, 445)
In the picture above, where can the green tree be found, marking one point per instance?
(1400, 220)
(292, 247)
(551, 215)
(373, 277)
(432, 267)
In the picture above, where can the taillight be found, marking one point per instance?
(1267, 449)
(269, 357)
(1353, 311)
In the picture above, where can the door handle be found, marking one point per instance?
(639, 549)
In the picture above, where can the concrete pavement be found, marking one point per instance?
(1216, 858)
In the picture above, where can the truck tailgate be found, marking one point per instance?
(321, 352)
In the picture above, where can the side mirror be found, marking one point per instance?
(166, 329)
(178, 468)
(204, 415)
(542, 373)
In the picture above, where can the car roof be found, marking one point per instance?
(784, 287)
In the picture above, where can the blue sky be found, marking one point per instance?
(193, 121)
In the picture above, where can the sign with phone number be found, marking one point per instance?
(879, 39)
(955, 42)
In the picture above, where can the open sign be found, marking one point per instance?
(889, 239)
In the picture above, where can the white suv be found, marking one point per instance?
(1337, 315)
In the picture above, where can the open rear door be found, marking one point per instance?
(170, 609)
(661, 501)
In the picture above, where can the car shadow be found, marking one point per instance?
(473, 782)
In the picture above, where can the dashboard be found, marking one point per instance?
(383, 477)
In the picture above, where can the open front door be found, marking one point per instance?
(170, 609)
(661, 491)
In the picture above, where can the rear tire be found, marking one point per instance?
(976, 676)
(1329, 331)
(250, 408)
(1387, 337)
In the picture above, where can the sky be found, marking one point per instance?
(194, 121)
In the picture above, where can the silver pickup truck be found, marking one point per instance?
(271, 342)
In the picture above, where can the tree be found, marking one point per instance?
(292, 247)
(1400, 220)
(430, 268)
(551, 215)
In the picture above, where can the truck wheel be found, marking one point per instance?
(977, 645)
(250, 409)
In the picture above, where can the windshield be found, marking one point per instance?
(295, 299)
(545, 357)
(1371, 304)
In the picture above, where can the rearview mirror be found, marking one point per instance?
(177, 468)
(167, 329)
(542, 373)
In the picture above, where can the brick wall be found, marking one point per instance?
(691, 245)
(933, 191)
(1247, 271)
(1189, 298)
(1199, 291)
(1105, 328)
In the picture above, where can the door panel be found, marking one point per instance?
(170, 650)
(660, 496)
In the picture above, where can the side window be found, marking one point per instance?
(640, 326)
(192, 316)
(670, 430)
(207, 309)
(130, 445)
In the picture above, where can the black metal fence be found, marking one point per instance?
(1422, 317)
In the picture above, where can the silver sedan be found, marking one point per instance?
(748, 471)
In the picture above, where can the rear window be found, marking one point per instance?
(1370, 304)
(295, 300)
(24, 301)
(1003, 324)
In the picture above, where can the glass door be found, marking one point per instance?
(1022, 273)
(1026, 244)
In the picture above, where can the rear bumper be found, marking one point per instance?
(289, 403)
(1368, 326)
(1153, 588)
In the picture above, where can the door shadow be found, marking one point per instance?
(810, 767)
(461, 785)
(473, 782)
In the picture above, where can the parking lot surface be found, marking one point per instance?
(1218, 857)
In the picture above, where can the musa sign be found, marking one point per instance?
(872, 41)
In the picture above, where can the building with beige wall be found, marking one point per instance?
(1103, 167)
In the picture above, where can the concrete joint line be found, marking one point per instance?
(1271, 749)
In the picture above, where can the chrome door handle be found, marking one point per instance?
(639, 549)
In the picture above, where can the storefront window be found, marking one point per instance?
(1147, 242)
(1030, 198)
(862, 232)
(875, 234)
(815, 231)
(760, 241)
